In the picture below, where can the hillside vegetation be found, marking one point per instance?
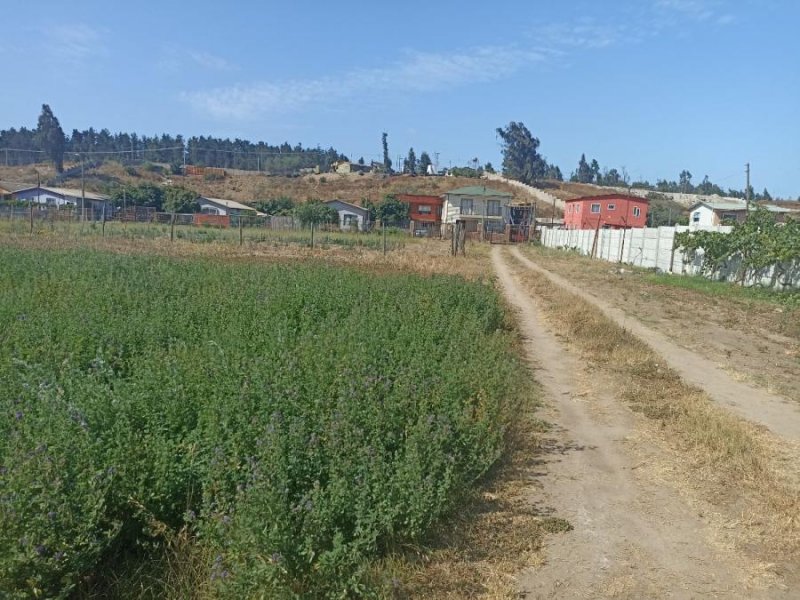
(250, 186)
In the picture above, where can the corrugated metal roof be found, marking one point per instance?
(67, 192)
(227, 203)
(478, 190)
(735, 204)
(350, 204)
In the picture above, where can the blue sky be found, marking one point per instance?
(654, 86)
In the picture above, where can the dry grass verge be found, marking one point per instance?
(419, 256)
(734, 465)
(481, 550)
(753, 334)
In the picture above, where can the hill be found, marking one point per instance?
(249, 186)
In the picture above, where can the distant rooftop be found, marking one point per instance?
(737, 204)
(59, 191)
(478, 190)
(227, 203)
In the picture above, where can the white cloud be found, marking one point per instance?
(211, 62)
(419, 72)
(584, 34)
(698, 10)
(176, 58)
(74, 44)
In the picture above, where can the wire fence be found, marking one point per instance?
(146, 223)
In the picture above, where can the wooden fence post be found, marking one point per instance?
(172, 228)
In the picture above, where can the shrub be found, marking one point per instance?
(295, 429)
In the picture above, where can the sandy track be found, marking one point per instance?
(754, 404)
(632, 537)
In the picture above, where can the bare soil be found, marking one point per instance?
(752, 341)
(635, 535)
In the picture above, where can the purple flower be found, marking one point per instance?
(41, 550)
(18, 415)
(51, 515)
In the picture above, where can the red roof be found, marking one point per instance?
(609, 197)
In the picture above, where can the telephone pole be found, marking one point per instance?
(747, 189)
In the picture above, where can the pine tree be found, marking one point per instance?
(50, 137)
(584, 174)
(387, 162)
(424, 163)
(411, 162)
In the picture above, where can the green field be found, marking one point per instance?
(329, 236)
(270, 429)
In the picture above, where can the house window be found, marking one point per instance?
(577, 208)
(349, 220)
(493, 208)
(466, 206)
(636, 211)
(595, 208)
(424, 209)
(612, 206)
(696, 216)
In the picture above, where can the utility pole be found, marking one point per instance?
(83, 193)
(747, 189)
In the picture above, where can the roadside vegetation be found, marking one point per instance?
(196, 429)
(758, 246)
(733, 464)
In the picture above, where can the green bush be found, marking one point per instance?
(297, 421)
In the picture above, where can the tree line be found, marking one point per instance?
(25, 146)
(523, 162)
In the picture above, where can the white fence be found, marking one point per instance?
(652, 248)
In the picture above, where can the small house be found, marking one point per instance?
(482, 209)
(351, 216)
(218, 206)
(728, 211)
(93, 205)
(424, 213)
(608, 211)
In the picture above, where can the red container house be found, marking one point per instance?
(608, 211)
(424, 213)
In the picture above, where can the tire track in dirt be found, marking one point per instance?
(632, 538)
(754, 404)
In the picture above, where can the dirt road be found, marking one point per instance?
(633, 537)
(751, 402)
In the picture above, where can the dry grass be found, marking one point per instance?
(246, 187)
(753, 337)
(423, 256)
(493, 537)
(733, 464)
